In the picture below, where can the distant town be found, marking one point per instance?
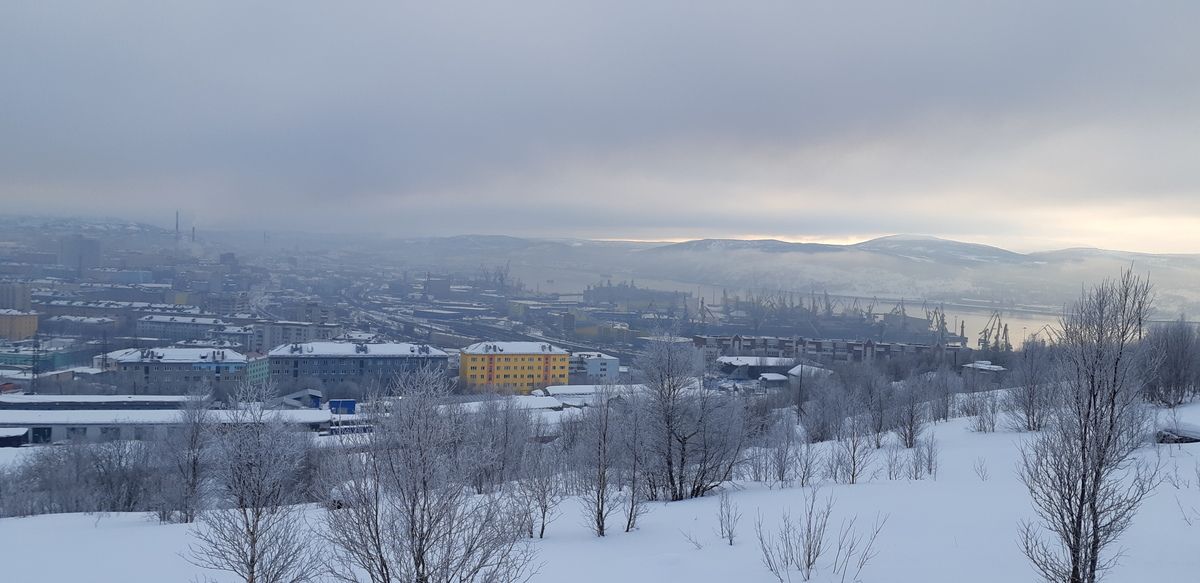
(94, 309)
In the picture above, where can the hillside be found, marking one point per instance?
(937, 531)
(899, 266)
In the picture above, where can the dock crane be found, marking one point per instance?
(994, 335)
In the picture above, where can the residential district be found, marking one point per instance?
(106, 328)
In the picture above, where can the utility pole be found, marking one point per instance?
(37, 357)
(800, 395)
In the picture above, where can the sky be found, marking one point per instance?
(1029, 125)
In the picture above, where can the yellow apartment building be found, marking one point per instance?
(17, 325)
(522, 366)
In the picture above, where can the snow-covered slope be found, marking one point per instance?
(957, 528)
(937, 250)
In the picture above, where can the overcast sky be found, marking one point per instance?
(1029, 125)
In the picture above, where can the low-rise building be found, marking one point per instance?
(983, 373)
(594, 368)
(361, 363)
(240, 336)
(80, 418)
(110, 361)
(80, 325)
(269, 335)
(169, 327)
(751, 367)
(164, 371)
(521, 366)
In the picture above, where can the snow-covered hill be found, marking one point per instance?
(957, 528)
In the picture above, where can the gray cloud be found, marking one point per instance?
(1019, 123)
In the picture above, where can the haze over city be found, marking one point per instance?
(1027, 125)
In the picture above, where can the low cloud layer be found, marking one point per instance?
(1022, 124)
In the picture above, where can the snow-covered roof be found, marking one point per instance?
(355, 350)
(117, 354)
(11, 312)
(519, 402)
(591, 355)
(234, 330)
(82, 319)
(183, 320)
(772, 377)
(13, 431)
(34, 418)
(985, 366)
(117, 305)
(756, 361)
(85, 370)
(184, 355)
(809, 370)
(583, 390)
(513, 348)
(39, 399)
(665, 339)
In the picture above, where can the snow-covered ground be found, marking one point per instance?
(953, 529)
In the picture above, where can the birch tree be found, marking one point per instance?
(1080, 471)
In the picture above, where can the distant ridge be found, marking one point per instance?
(921, 248)
(926, 248)
(764, 245)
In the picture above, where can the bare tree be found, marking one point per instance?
(893, 461)
(497, 439)
(185, 452)
(635, 462)
(943, 386)
(797, 546)
(540, 486)
(1031, 397)
(116, 476)
(930, 452)
(1173, 365)
(854, 549)
(1189, 511)
(1080, 472)
(985, 407)
(697, 435)
(121, 475)
(981, 469)
(851, 456)
(910, 416)
(806, 464)
(781, 452)
(257, 533)
(402, 510)
(728, 517)
(597, 453)
(873, 397)
(824, 416)
(916, 468)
